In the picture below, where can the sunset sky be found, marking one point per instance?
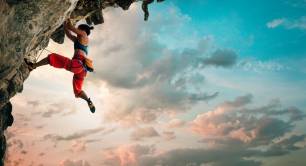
(202, 83)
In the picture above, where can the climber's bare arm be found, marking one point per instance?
(68, 33)
(70, 27)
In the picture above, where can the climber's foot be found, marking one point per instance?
(30, 64)
(91, 106)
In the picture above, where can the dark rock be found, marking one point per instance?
(124, 4)
(97, 17)
(2, 148)
(6, 120)
(58, 35)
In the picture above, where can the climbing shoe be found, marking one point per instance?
(30, 64)
(91, 106)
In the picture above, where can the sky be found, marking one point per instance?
(202, 83)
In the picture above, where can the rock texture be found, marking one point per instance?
(25, 28)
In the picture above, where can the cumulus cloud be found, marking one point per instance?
(142, 133)
(138, 155)
(237, 134)
(126, 155)
(258, 126)
(247, 126)
(148, 78)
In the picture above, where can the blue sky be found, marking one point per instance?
(202, 82)
(237, 21)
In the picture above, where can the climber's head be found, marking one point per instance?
(86, 28)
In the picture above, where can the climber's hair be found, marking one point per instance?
(86, 28)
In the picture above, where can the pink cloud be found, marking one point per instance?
(176, 123)
(126, 155)
(68, 162)
(231, 120)
(169, 135)
(78, 146)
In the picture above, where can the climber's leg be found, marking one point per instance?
(91, 106)
(53, 59)
(79, 93)
(59, 61)
(77, 83)
(33, 66)
(42, 62)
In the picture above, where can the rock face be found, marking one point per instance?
(25, 28)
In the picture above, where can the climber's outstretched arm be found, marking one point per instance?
(70, 27)
(68, 33)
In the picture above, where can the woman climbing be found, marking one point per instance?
(79, 64)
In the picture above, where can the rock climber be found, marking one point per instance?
(79, 64)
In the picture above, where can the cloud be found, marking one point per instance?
(49, 109)
(233, 124)
(136, 155)
(50, 113)
(78, 146)
(285, 146)
(68, 162)
(222, 58)
(126, 155)
(237, 139)
(202, 96)
(238, 102)
(15, 144)
(142, 133)
(176, 123)
(258, 126)
(33, 103)
(299, 23)
(168, 135)
(77, 135)
(149, 78)
(257, 65)
(275, 23)
(198, 157)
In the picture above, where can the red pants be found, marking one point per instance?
(74, 65)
